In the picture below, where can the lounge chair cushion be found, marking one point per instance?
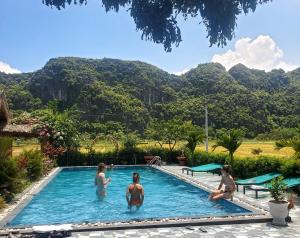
(258, 180)
(206, 167)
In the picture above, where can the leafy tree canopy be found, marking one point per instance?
(157, 19)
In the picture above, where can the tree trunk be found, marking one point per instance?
(192, 158)
(173, 145)
(231, 162)
(231, 158)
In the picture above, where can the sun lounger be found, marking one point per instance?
(203, 168)
(256, 180)
(290, 182)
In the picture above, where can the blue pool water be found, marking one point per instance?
(71, 198)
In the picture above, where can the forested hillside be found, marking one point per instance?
(129, 94)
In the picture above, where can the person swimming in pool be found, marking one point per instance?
(229, 183)
(135, 192)
(100, 181)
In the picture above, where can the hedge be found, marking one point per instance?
(243, 167)
(251, 166)
(130, 157)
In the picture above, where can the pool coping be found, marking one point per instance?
(25, 197)
(258, 215)
(255, 208)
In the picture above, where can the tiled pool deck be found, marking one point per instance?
(233, 230)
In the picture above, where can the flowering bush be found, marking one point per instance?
(59, 130)
(51, 151)
(48, 165)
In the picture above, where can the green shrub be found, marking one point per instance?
(277, 189)
(131, 157)
(130, 142)
(250, 167)
(290, 167)
(34, 166)
(243, 167)
(2, 203)
(9, 178)
(76, 158)
(164, 153)
(125, 156)
(205, 158)
(5, 147)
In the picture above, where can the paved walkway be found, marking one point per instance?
(214, 231)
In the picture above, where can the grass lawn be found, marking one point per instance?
(267, 147)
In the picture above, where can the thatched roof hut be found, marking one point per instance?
(9, 129)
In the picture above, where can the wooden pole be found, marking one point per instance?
(206, 129)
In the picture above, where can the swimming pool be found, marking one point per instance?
(70, 197)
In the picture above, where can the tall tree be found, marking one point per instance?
(169, 132)
(158, 19)
(173, 131)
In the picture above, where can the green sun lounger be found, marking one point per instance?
(290, 182)
(256, 180)
(203, 168)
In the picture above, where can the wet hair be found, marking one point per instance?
(135, 177)
(227, 169)
(101, 167)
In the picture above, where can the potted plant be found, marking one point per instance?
(278, 206)
(182, 159)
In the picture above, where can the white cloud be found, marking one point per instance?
(6, 68)
(261, 53)
(181, 72)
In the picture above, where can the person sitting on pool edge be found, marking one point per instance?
(100, 180)
(135, 192)
(229, 183)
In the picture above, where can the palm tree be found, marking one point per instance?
(231, 141)
(194, 136)
(293, 143)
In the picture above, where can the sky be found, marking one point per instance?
(32, 33)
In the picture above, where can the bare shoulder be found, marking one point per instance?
(101, 175)
(130, 186)
(139, 186)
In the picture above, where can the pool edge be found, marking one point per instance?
(26, 196)
(255, 217)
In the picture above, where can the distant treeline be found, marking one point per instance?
(128, 95)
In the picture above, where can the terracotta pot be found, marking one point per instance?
(279, 212)
(181, 160)
(148, 158)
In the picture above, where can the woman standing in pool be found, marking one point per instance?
(100, 181)
(135, 192)
(229, 183)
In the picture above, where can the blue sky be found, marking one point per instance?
(31, 34)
